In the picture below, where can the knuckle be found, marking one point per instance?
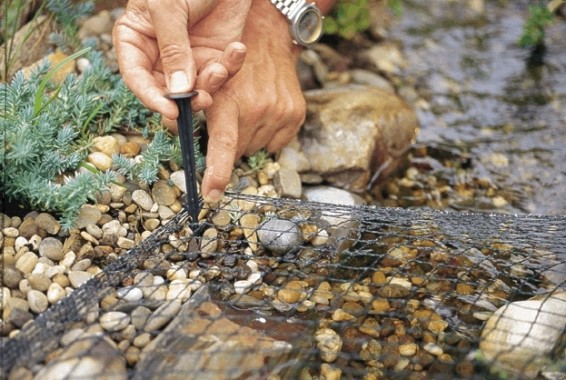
(172, 55)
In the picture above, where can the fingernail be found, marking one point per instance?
(238, 55)
(217, 79)
(178, 82)
(214, 196)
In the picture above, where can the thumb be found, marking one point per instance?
(170, 21)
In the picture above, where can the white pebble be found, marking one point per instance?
(40, 268)
(38, 302)
(179, 289)
(242, 286)
(114, 321)
(54, 270)
(81, 265)
(55, 293)
(255, 278)
(35, 241)
(24, 286)
(20, 242)
(130, 293)
(69, 259)
(176, 274)
(252, 265)
(11, 232)
(78, 278)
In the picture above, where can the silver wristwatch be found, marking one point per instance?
(305, 19)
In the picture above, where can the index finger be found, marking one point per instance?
(222, 125)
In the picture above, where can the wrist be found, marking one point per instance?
(266, 25)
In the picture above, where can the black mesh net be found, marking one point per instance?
(275, 288)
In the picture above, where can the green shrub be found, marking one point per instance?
(350, 17)
(540, 17)
(47, 129)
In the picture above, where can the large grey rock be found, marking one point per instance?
(520, 337)
(279, 235)
(352, 132)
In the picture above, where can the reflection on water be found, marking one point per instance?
(487, 99)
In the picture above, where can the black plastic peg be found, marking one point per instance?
(185, 128)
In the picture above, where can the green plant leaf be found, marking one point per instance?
(38, 99)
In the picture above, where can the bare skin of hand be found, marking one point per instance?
(261, 106)
(156, 57)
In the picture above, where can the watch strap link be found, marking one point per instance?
(289, 8)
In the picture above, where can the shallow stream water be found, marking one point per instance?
(487, 99)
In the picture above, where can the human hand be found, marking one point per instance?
(261, 106)
(156, 55)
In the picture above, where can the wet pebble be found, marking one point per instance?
(279, 235)
(329, 344)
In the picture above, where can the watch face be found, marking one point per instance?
(310, 26)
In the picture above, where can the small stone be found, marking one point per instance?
(129, 293)
(408, 349)
(320, 239)
(329, 344)
(393, 291)
(88, 214)
(221, 218)
(340, 315)
(55, 293)
(178, 179)
(52, 249)
(165, 212)
(81, 265)
(77, 278)
(117, 192)
(209, 242)
(28, 228)
(125, 243)
(142, 340)
(179, 289)
(151, 224)
(38, 302)
(114, 321)
(162, 315)
(242, 286)
(130, 149)
(279, 235)
(91, 355)
(100, 161)
(39, 281)
(292, 292)
(328, 372)
(11, 277)
(27, 262)
(142, 199)
(105, 144)
(61, 279)
(163, 194)
(140, 316)
(48, 223)
(11, 232)
(433, 348)
(288, 183)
